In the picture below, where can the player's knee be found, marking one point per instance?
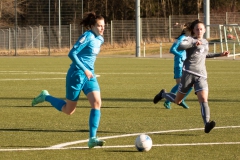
(97, 105)
(69, 110)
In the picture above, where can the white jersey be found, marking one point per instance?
(196, 56)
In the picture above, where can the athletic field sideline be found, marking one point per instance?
(128, 85)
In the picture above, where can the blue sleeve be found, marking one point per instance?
(174, 49)
(79, 45)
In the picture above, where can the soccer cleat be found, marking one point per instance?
(184, 105)
(93, 142)
(167, 105)
(40, 98)
(158, 97)
(209, 126)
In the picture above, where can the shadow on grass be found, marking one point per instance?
(124, 99)
(45, 130)
(37, 130)
(121, 151)
(21, 146)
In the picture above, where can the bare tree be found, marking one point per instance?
(199, 5)
(7, 12)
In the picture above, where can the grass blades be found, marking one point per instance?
(128, 86)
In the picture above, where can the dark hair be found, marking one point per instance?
(186, 27)
(193, 24)
(89, 19)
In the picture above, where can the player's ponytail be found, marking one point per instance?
(185, 29)
(90, 18)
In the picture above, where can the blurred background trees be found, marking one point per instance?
(36, 12)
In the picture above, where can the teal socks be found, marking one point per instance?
(55, 102)
(94, 120)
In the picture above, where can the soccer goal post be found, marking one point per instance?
(231, 34)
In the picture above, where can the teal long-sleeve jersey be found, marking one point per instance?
(84, 51)
(179, 55)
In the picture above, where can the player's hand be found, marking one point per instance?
(225, 53)
(198, 43)
(88, 74)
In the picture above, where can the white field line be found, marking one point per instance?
(113, 73)
(136, 134)
(32, 72)
(63, 145)
(121, 146)
(53, 73)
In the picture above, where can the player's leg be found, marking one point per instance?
(177, 77)
(167, 103)
(163, 94)
(184, 86)
(202, 93)
(67, 106)
(70, 107)
(205, 111)
(95, 113)
(72, 94)
(179, 97)
(45, 96)
(40, 98)
(158, 97)
(92, 91)
(75, 81)
(189, 91)
(183, 103)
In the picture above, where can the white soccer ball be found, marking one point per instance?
(143, 143)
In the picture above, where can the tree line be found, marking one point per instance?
(36, 12)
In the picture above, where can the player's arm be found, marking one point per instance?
(211, 55)
(174, 49)
(186, 43)
(79, 45)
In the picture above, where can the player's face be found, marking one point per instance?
(199, 30)
(98, 28)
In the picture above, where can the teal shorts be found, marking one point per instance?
(177, 72)
(76, 81)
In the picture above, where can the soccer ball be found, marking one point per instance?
(143, 143)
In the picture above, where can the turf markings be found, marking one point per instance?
(64, 146)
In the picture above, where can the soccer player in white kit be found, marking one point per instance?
(194, 72)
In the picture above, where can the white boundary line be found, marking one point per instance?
(32, 72)
(136, 134)
(63, 146)
(120, 146)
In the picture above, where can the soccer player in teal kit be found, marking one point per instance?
(81, 76)
(179, 58)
